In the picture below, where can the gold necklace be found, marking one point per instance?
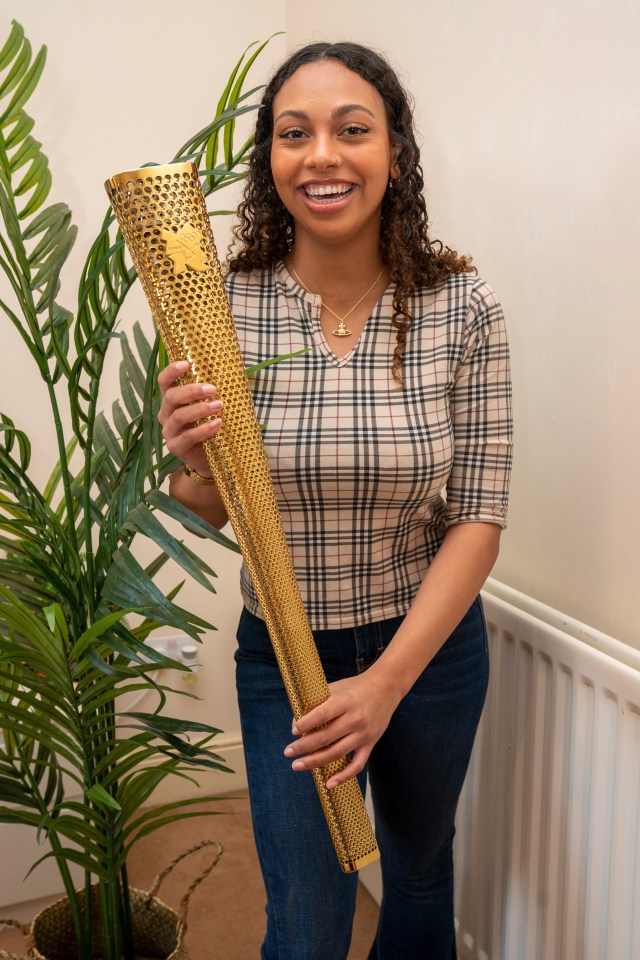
(342, 330)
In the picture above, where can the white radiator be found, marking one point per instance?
(547, 846)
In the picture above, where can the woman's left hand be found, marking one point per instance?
(352, 720)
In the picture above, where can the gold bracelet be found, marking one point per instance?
(197, 477)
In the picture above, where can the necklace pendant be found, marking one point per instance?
(341, 331)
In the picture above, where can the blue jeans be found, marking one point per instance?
(416, 772)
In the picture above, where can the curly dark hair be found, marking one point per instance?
(265, 231)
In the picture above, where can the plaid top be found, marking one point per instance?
(369, 475)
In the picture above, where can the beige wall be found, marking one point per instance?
(530, 121)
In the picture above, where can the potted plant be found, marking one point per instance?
(76, 605)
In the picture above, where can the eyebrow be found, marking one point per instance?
(337, 113)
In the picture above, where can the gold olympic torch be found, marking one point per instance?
(163, 217)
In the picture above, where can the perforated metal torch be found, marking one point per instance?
(164, 220)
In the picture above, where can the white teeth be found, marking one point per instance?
(330, 190)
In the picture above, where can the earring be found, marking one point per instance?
(390, 183)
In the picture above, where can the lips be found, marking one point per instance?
(326, 194)
(326, 189)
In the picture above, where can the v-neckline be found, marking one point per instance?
(314, 300)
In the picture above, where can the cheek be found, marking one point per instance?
(379, 177)
(281, 171)
(273, 162)
(379, 163)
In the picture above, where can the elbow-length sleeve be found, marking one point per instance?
(481, 414)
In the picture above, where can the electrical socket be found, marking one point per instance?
(169, 646)
(173, 646)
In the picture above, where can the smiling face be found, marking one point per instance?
(331, 156)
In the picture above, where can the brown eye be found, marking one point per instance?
(291, 135)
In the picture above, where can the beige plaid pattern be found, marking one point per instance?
(368, 476)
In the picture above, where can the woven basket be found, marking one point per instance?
(158, 931)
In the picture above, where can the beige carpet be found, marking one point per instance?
(226, 917)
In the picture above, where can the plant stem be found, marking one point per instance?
(126, 920)
(66, 479)
(85, 940)
(94, 389)
(65, 873)
(125, 925)
(107, 920)
(86, 510)
(85, 932)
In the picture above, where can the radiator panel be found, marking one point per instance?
(548, 830)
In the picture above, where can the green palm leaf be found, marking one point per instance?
(171, 508)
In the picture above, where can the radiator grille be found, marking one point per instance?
(548, 829)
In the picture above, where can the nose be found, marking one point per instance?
(323, 154)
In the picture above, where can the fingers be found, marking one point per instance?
(183, 406)
(333, 751)
(171, 373)
(350, 721)
(319, 739)
(342, 748)
(184, 416)
(181, 445)
(181, 431)
(317, 717)
(185, 392)
(356, 765)
(176, 394)
(337, 739)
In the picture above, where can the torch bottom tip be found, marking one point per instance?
(351, 866)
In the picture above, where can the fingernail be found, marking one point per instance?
(298, 764)
(331, 783)
(288, 751)
(181, 365)
(208, 389)
(215, 405)
(294, 729)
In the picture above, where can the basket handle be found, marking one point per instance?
(184, 903)
(24, 930)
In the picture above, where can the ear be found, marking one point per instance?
(396, 149)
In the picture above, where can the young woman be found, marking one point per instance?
(402, 396)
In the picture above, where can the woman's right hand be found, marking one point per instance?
(182, 406)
